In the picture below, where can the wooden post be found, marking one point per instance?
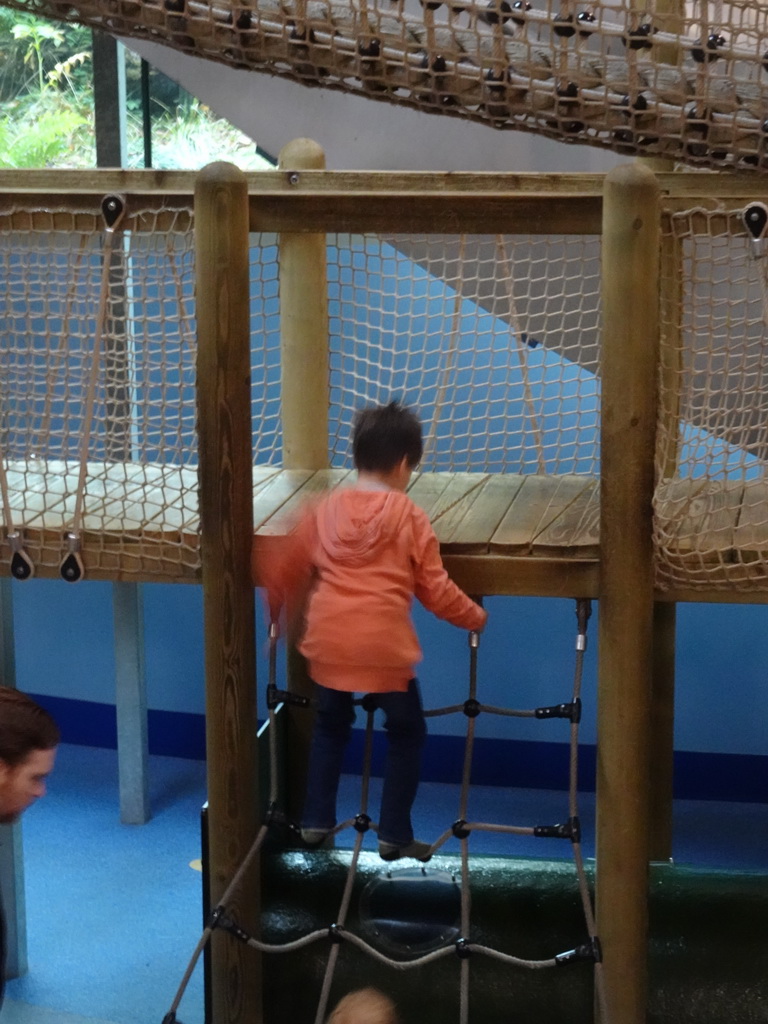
(669, 17)
(305, 400)
(226, 515)
(629, 365)
(303, 328)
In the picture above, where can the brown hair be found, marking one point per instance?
(24, 727)
(365, 1006)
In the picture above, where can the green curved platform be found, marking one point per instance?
(708, 958)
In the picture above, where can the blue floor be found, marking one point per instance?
(114, 911)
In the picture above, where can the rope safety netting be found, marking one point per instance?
(338, 932)
(710, 523)
(689, 85)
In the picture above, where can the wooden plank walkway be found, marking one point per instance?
(499, 533)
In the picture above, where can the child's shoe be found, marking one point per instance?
(313, 837)
(416, 849)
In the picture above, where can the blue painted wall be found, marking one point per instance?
(64, 633)
(526, 659)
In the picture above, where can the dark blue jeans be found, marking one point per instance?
(406, 731)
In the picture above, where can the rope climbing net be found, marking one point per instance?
(338, 932)
(495, 339)
(97, 385)
(710, 520)
(692, 86)
(98, 351)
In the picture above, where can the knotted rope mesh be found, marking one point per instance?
(340, 931)
(692, 87)
(496, 340)
(710, 519)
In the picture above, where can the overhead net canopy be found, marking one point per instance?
(692, 87)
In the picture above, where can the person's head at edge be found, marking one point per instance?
(29, 738)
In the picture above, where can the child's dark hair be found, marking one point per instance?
(385, 434)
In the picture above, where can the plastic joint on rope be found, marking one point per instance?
(275, 697)
(336, 933)
(460, 829)
(22, 567)
(755, 218)
(234, 929)
(362, 823)
(583, 613)
(571, 711)
(274, 816)
(72, 569)
(588, 951)
(472, 708)
(171, 1018)
(570, 829)
(463, 949)
(368, 703)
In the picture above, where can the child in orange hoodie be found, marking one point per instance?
(369, 551)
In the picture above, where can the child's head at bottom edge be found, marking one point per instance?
(364, 1006)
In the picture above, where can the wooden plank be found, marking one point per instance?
(276, 493)
(699, 517)
(538, 503)
(425, 490)
(576, 531)
(319, 482)
(58, 184)
(524, 577)
(430, 213)
(469, 526)
(459, 486)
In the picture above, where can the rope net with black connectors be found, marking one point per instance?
(338, 932)
(686, 81)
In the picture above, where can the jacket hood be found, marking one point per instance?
(353, 523)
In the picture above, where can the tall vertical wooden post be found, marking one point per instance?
(305, 400)
(665, 615)
(303, 328)
(630, 260)
(668, 16)
(226, 515)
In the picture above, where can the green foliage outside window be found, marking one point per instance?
(46, 106)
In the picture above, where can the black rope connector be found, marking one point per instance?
(217, 914)
(570, 829)
(170, 1018)
(583, 613)
(234, 929)
(275, 697)
(362, 823)
(571, 711)
(463, 949)
(472, 708)
(368, 703)
(588, 951)
(336, 933)
(459, 829)
(22, 567)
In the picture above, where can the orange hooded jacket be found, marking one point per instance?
(370, 552)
